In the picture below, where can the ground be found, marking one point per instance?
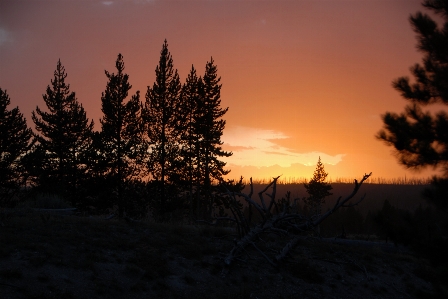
(53, 256)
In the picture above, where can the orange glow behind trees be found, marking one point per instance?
(315, 73)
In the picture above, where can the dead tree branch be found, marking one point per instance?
(285, 223)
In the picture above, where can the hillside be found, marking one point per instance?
(51, 256)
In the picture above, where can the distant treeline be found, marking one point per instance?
(371, 180)
(155, 155)
(406, 197)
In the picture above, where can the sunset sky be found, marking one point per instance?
(301, 78)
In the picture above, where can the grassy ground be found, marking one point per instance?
(50, 256)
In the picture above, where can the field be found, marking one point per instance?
(407, 197)
(54, 256)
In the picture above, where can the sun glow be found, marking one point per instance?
(257, 147)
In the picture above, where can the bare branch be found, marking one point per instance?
(356, 203)
(263, 254)
(284, 223)
(260, 194)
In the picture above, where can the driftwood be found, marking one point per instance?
(286, 221)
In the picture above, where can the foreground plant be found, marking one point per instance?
(279, 217)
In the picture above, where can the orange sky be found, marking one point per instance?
(301, 78)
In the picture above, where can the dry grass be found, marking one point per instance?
(341, 180)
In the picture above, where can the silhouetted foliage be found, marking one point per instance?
(209, 132)
(120, 146)
(317, 189)
(65, 136)
(202, 128)
(419, 136)
(189, 146)
(15, 141)
(162, 117)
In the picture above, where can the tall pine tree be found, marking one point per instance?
(188, 136)
(122, 148)
(163, 119)
(210, 130)
(419, 135)
(15, 141)
(64, 137)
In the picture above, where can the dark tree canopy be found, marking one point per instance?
(121, 148)
(163, 119)
(64, 136)
(212, 125)
(169, 147)
(317, 189)
(207, 126)
(189, 145)
(15, 141)
(419, 135)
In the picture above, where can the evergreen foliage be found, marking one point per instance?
(168, 147)
(64, 139)
(162, 113)
(120, 146)
(189, 147)
(418, 135)
(15, 141)
(317, 189)
(210, 129)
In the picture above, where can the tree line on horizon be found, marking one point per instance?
(173, 138)
(159, 154)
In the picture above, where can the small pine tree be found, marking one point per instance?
(121, 148)
(65, 137)
(317, 189)
(15, 141)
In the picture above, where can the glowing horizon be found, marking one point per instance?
(302, 79)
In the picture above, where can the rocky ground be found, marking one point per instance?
(51, 256)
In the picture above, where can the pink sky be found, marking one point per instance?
(301, 79)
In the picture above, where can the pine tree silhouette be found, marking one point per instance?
(122, 147)
(419, 137)
(15, 141)
(210, 130)
(190, 139)
(317, 189)
(65, 136)
(163, 119)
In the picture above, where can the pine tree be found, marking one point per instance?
(15, 141)
(210, 129)
(122, 148)
(65, 136)
(189, 135)
(418, 135)
(317, 189)
(164, 125)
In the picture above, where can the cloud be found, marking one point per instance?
(256, 147)
(144, 1)
(108, 3)
(275, 153)
(237, 148)
(4, 36)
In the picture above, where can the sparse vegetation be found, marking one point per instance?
(85, 257)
